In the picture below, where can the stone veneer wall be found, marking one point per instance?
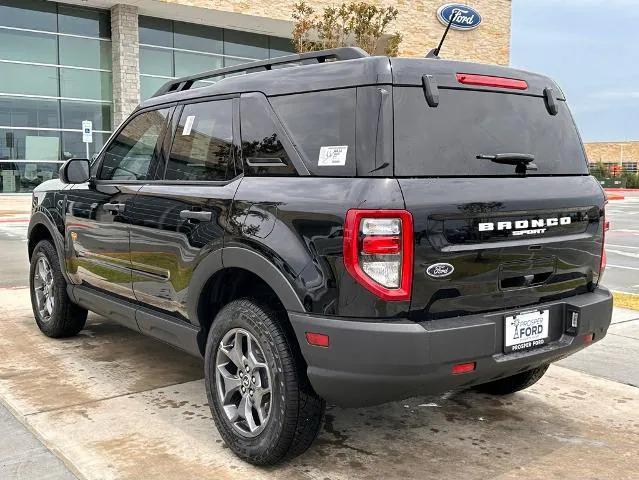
(125, 53)
(489, 43)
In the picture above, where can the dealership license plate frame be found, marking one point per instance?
(513, 341)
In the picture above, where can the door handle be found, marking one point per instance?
(114, 207)
(196, 215)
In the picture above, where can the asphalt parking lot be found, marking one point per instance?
(112, 404)
(622, 244)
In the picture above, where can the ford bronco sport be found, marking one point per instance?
(334, 227)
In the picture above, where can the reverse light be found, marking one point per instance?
(490, 81)
(378, 251)
(464, 368)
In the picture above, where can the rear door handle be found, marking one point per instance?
(114, 207)
(196, 215)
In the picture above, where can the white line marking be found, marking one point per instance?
(620, 246)
(624, 268)
(621, 252)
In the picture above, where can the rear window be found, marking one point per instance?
(445, 141)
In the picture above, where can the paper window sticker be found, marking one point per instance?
(333, 156)
(188, 125)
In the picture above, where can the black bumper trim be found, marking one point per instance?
(372, 362)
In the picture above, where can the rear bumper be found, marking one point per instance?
(371, 362)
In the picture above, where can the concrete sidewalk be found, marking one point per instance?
(115, 405)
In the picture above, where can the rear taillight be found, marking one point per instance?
(490, 81)
(378, 251)
(606, 227)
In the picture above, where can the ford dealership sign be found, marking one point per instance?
(464, 17)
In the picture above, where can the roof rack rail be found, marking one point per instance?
(335, 54)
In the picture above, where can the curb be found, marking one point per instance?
(626, 300)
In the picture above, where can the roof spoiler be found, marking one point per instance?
(336, 54)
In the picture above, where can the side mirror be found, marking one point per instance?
(76, 170)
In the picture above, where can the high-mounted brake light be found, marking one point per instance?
(490, 81)
(378, 251)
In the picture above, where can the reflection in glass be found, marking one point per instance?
(155, 31)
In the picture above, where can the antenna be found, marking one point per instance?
(434, 53)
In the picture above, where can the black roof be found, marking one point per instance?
(339, 68)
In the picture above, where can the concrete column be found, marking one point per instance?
(125, 55)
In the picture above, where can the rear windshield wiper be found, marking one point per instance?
(523, 161)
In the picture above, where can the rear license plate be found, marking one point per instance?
(526, 330)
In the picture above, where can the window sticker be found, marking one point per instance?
(332, 156)
(188, 125)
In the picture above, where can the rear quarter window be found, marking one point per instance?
(321, 119)
(445, 141)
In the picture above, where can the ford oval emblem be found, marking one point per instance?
(440, 270)
(464, 17)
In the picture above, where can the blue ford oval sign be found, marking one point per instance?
(464, 17)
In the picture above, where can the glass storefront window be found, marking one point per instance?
(155, 31)
(29, 112)
(81, 21)
(191, 63)
(85, 52)
(23, 177)
(156, 61)
(49, 51)
(150, 85)
(31, 14)
(199, 38)
(28, 46)
(86, 84)
(73, 147)
(187, 49)
(28, 79)
(245, 44)
(74, 113)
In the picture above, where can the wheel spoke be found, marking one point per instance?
(243, 382)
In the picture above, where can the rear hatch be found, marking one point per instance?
(507, 236)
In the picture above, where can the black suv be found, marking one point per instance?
(334, 227)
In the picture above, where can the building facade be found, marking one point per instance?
(62, 63)
(623, 156)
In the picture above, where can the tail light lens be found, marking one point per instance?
(606, 227)
(378, 251)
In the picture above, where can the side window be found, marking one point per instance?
(203, 144)
(132, 153)
(262, 150)
(322, 126)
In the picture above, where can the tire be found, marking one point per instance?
(295, 412)
(515, 383)
(62, 318)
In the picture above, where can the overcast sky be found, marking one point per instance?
(591, 49)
